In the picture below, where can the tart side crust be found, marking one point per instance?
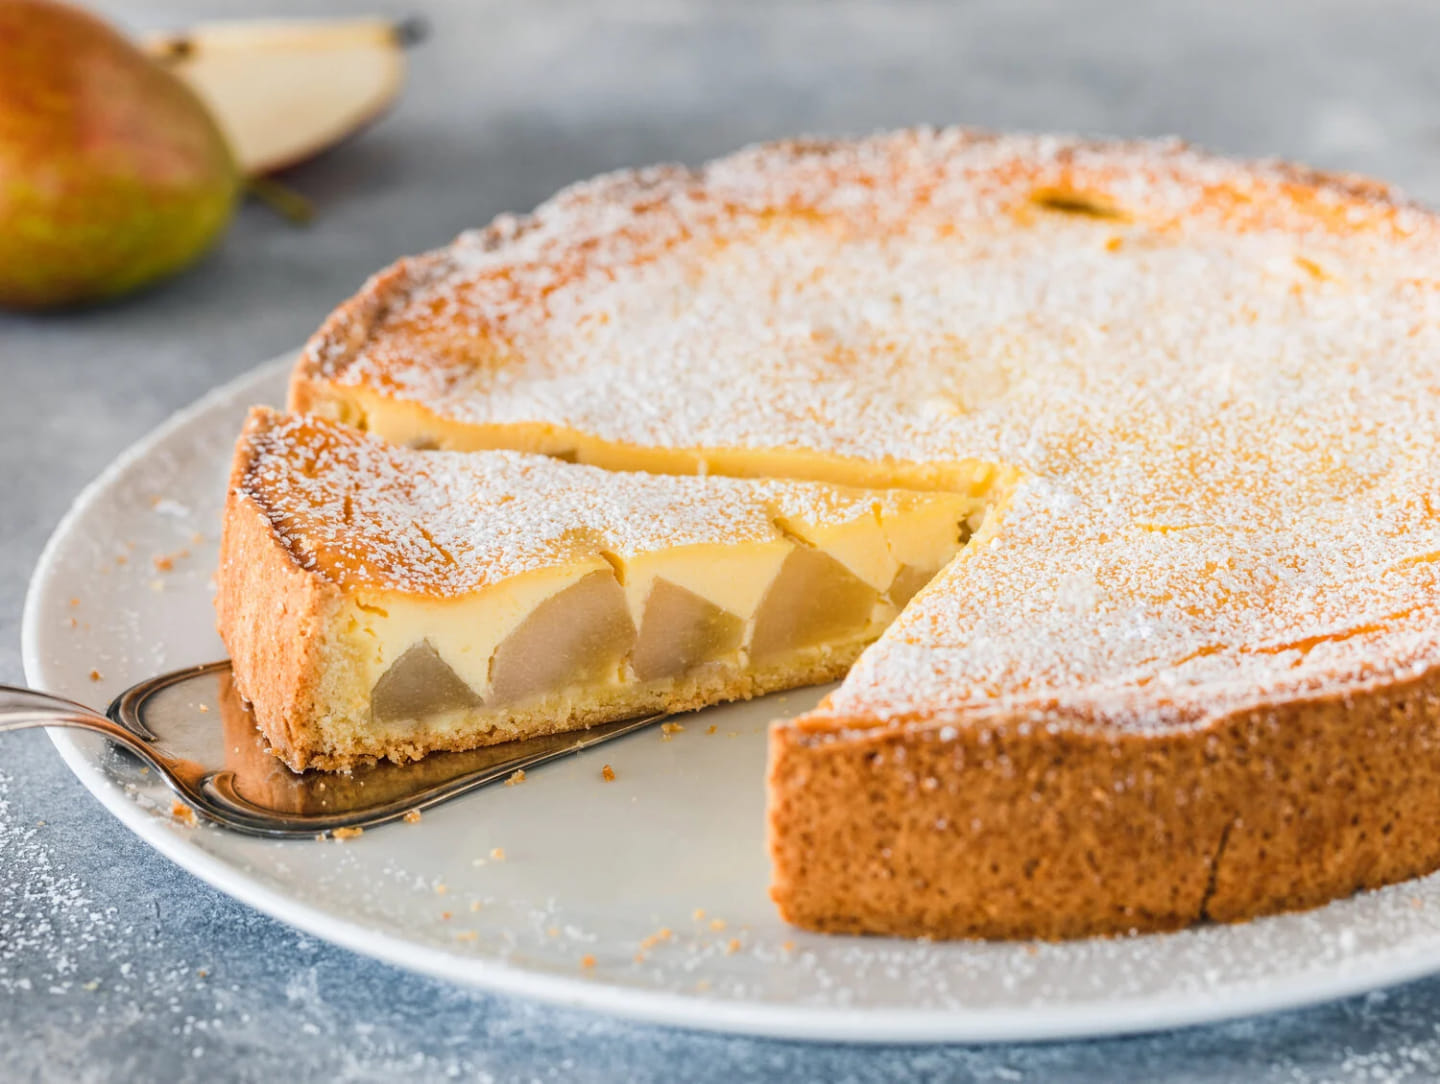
(273, 617)
(1006, 828)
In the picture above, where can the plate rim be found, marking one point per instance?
(1129, 1016)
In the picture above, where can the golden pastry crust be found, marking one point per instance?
(273, 615)
(1001, 828)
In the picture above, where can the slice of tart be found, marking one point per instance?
(381, 601)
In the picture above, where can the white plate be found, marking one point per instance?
(598, 870)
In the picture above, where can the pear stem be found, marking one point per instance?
(284, 201)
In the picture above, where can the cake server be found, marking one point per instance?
(193, 728)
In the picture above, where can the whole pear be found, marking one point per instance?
(112, 173)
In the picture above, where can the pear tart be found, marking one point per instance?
(382, 602)
(1186, 669)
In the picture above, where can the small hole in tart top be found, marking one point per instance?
(1073, 202)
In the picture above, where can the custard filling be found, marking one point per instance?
(569, 632)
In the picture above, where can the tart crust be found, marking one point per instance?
(999, 828)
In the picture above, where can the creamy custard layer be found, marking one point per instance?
(413, 425)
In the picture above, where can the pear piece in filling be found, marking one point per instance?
(907, 583)
(681, 630)
(419, 684)
(578, 636)
(814, 599)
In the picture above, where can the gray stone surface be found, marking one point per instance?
(114, 965)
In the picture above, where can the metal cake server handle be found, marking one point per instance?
(196, 732)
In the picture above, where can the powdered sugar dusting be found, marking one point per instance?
(1216, 381)
(364, 513)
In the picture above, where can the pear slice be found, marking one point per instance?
(814, 599)
(285, 90)
(419, 684)
(681, 630)
(576, 637)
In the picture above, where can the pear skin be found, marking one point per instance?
(112, 173)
